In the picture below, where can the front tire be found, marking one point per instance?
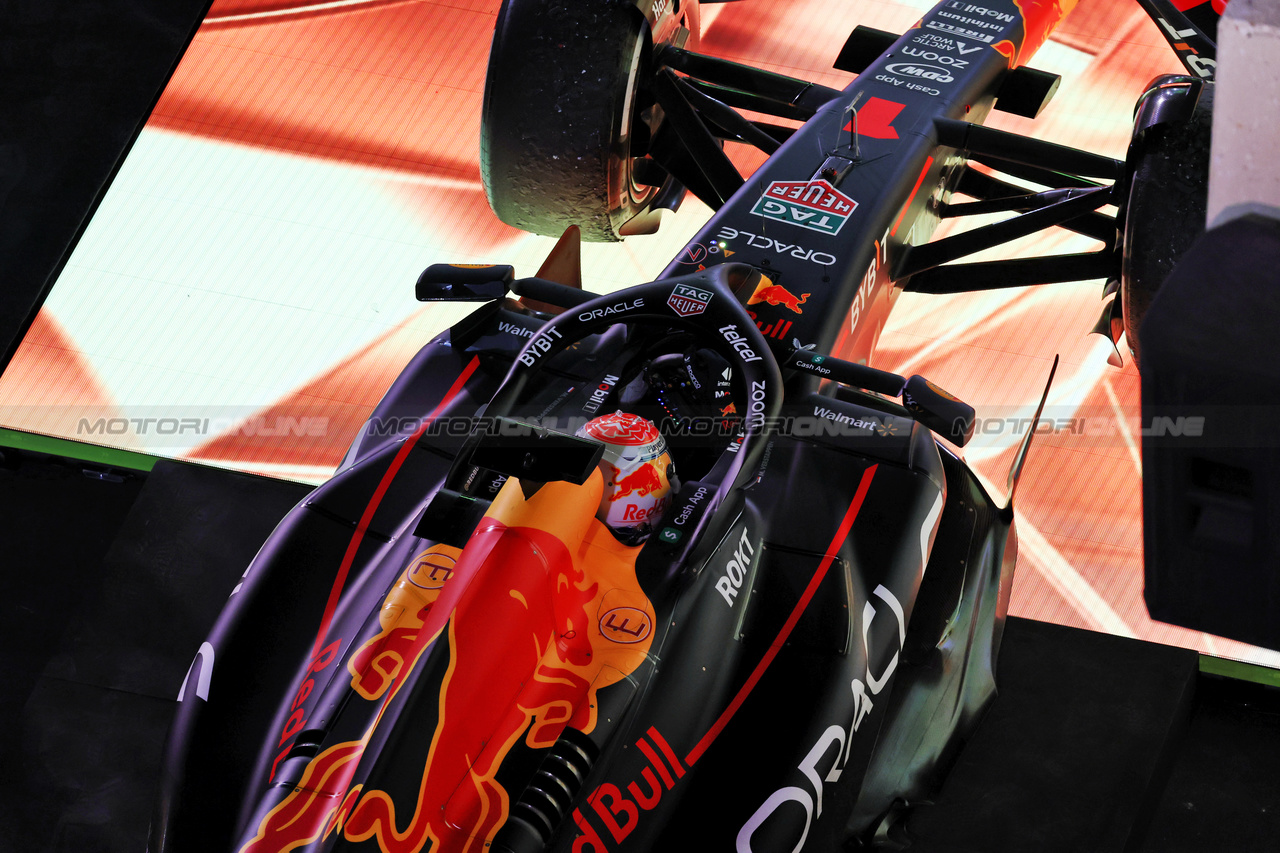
(1166, 211)
(560, 128)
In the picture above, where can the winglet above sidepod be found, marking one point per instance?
(1020, 457)
(464, 282)
(944, 413)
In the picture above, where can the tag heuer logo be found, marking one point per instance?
(687, 301)
(815, 205)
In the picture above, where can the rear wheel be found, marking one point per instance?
(560, 126)
(1166, 210)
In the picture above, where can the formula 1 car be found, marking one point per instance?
(775, 629)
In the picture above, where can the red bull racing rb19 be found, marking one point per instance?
(515, 629)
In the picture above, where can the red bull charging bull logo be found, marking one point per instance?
(538, 613)
(639, 497)
(776, 294)
(646, 479)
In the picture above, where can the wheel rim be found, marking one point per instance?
(635, 194)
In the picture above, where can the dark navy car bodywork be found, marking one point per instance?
(822, 602)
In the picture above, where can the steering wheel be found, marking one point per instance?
(704, 304)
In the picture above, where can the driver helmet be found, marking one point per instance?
(639, 475)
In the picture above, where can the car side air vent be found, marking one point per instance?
(289, 772)
(549, 797)
(307, 743)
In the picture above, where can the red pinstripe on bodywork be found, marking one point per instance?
(842, 532)
(340, 580)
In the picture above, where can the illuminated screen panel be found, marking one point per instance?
(244, 294)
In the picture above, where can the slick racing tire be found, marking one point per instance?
(1166, 210)
(560, 127)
